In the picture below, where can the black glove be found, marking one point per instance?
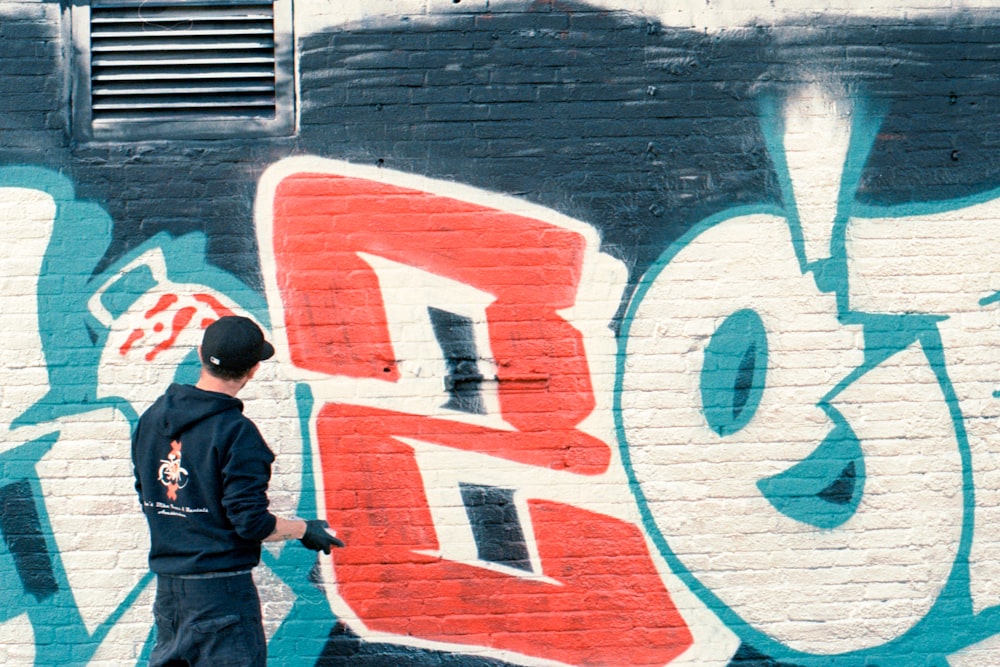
(316, 537)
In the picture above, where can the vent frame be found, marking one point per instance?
(124, 51)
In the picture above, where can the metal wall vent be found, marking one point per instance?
(191, 67)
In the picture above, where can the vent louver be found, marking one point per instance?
(155, 62)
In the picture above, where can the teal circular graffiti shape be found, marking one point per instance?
(733, 372)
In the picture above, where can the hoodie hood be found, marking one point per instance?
(182, 406)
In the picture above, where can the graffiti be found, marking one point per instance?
(497, 381)
(89, 352)
(452, 374)
(500, 384)
(37, 207)
(813, 371)
(448, 393)
(713, 383)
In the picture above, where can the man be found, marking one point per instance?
(202, 470)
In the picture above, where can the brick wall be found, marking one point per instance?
(619, 334)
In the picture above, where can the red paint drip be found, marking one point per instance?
(182, 318)
(165, 302)
(214, 304)
(132, 338)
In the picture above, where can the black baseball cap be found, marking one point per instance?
(234, 343)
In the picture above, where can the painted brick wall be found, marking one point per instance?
(608, 334)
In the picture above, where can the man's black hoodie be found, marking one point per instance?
(201, 471)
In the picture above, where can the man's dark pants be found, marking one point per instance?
(208, 622)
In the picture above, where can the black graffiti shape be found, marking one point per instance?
(744, 380)
(495, 525)
(22, 533)
(748, 656)
(841, 490)
(455, 335)
(345, 648)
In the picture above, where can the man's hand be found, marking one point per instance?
(318, 537)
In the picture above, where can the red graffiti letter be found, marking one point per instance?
(598, 599)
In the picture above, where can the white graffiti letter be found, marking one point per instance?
(742, 429)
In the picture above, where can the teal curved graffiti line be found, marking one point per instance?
(825, 488)
(91, 350)
(817, 476)
(303, 633)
